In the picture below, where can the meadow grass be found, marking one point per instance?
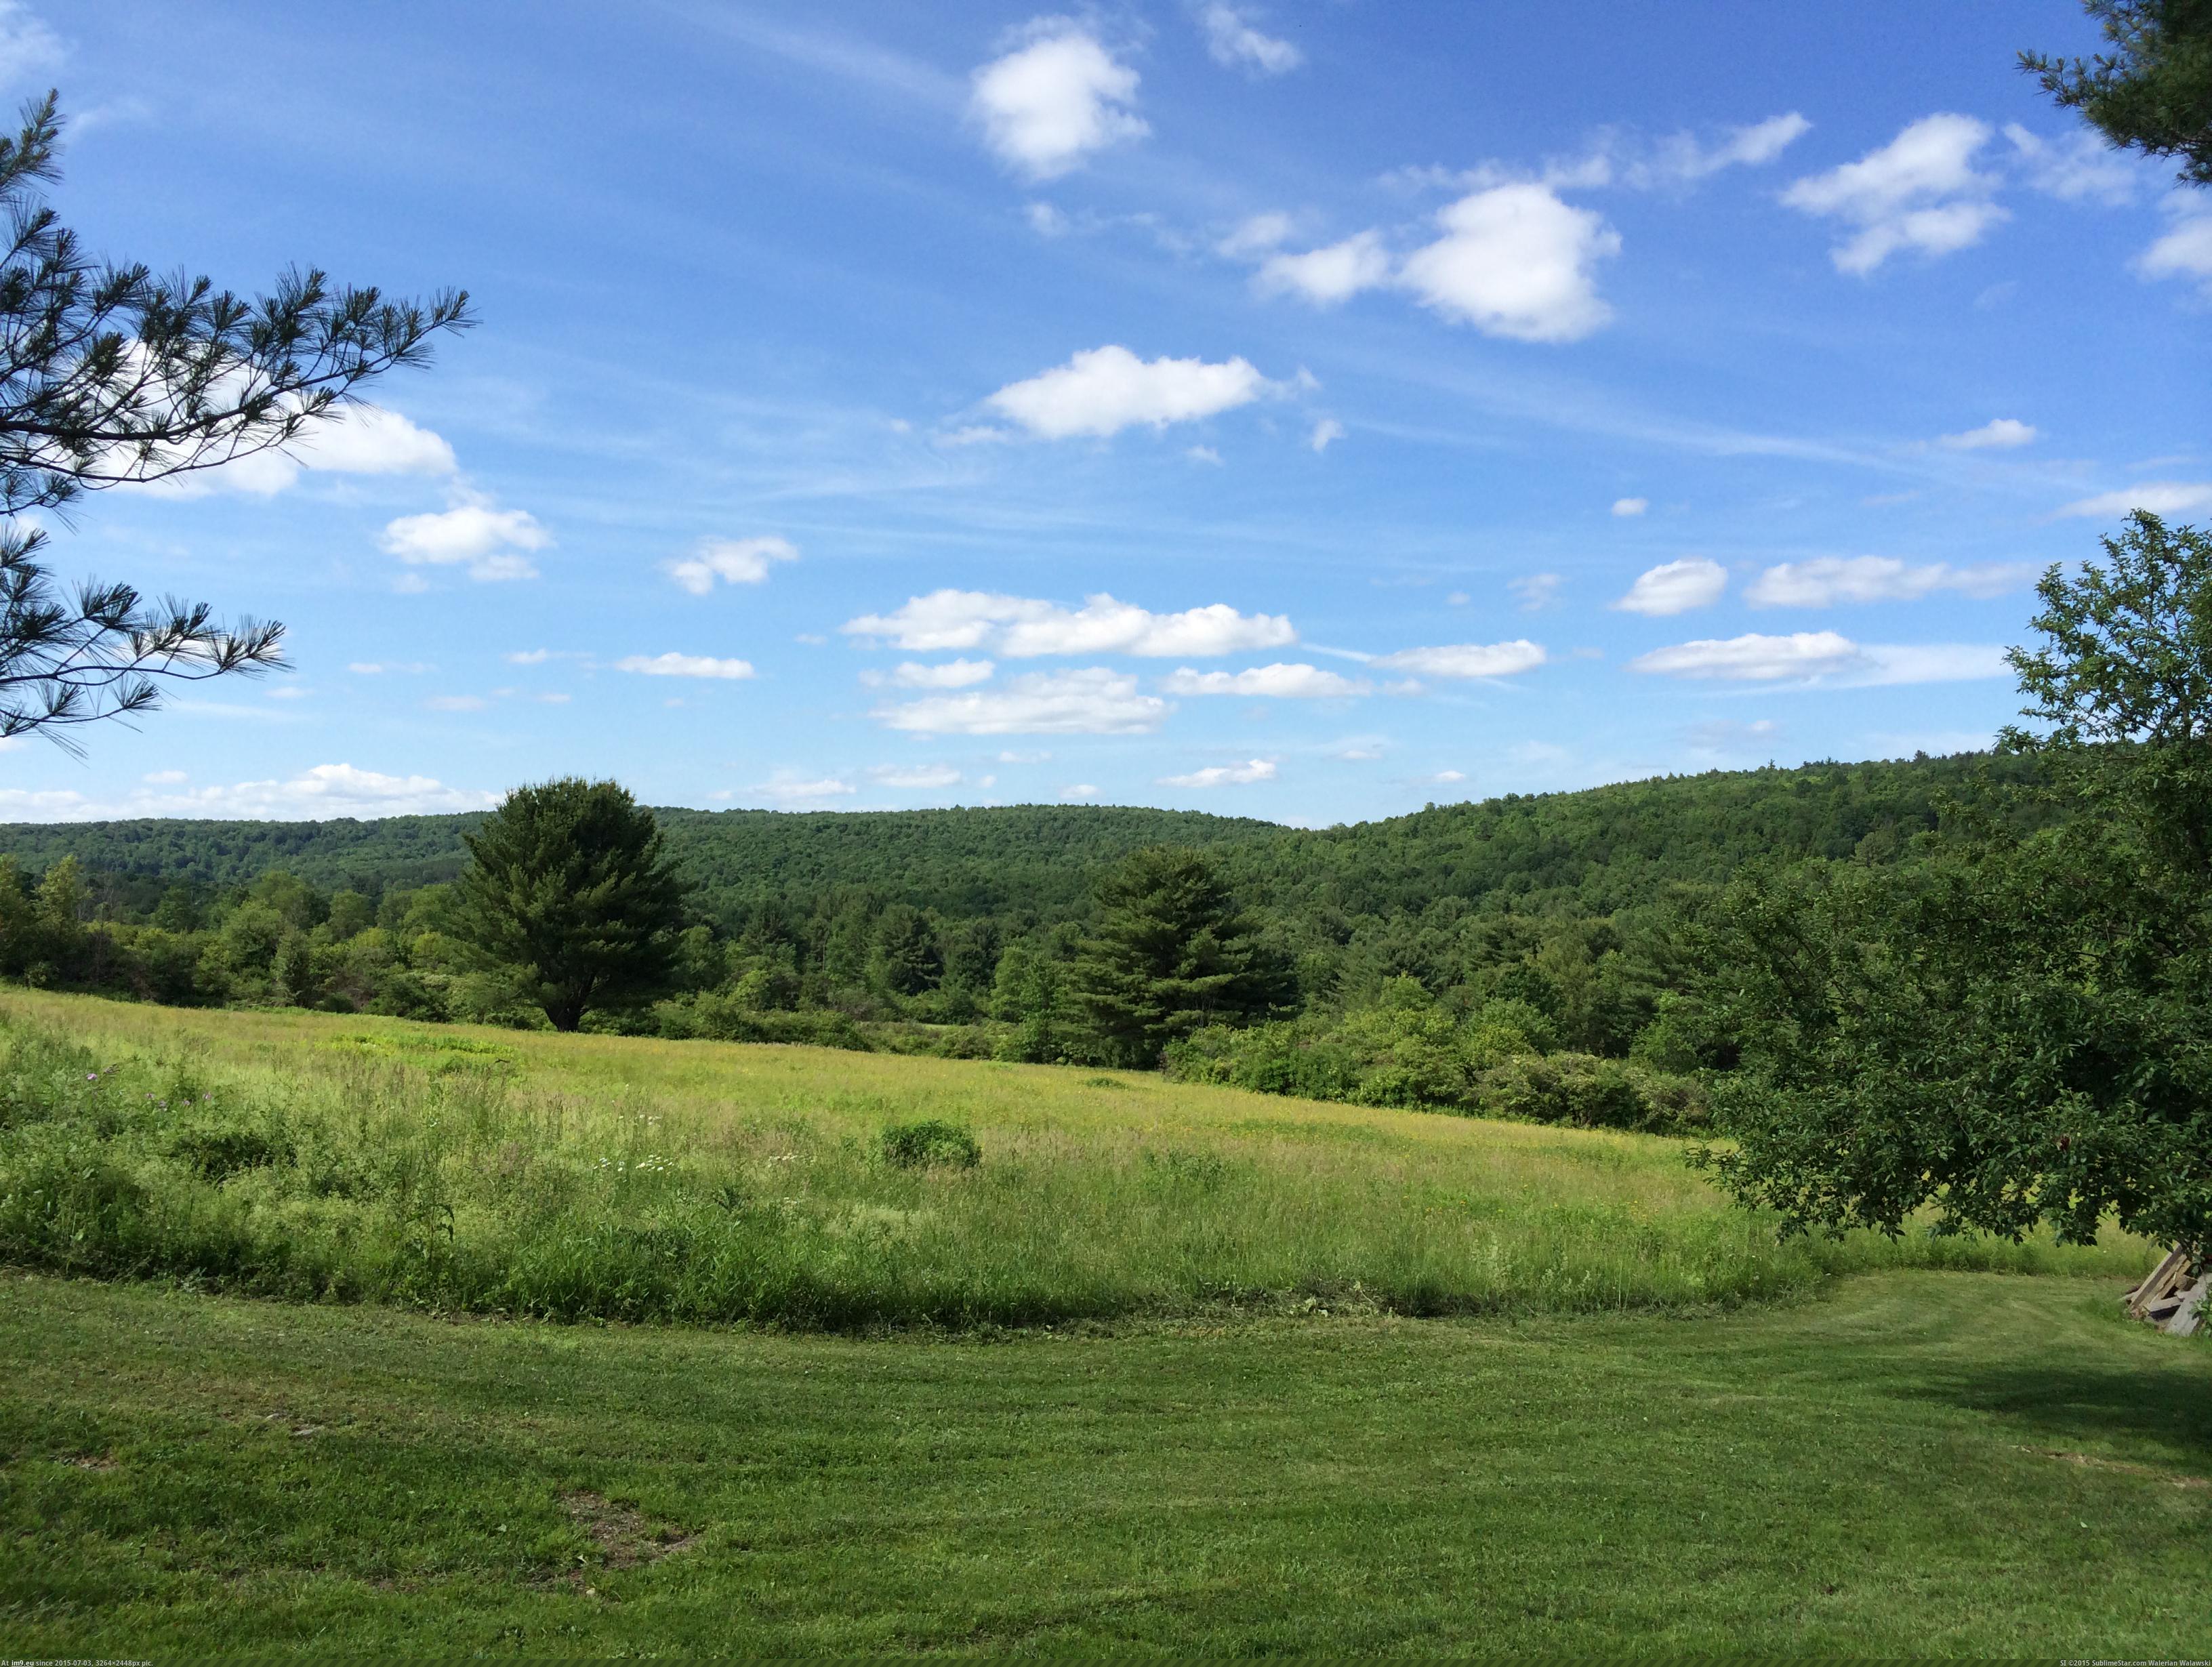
(599, 1178)
(1914, 1465)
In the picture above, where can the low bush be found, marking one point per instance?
(932, 1143)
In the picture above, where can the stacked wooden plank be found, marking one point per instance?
(2172, 1298)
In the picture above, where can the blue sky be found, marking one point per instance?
(1305, 411)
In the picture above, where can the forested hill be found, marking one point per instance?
(1590, 852)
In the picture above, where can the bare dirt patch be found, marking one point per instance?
(626, 1537)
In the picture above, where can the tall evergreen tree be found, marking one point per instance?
(2153, 91)
(569, 883)
(1170, 953)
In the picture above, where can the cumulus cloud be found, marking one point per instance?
(1237, 44)
(1223, 775)
(1919, 192)
(1516, 261)
(1998, 435)
(1674, 588)
(1094, 700)
(1823, 657)
(1077, 793)
(2185, 251)
(1627, 506)
(732, 561)
(1327, 276)
(2160, 497)
(1103, 390)
(916, 775)
(684, 666)
(1023, 628)
(1466, 659)
(1276, 682)
(791, 787)
(324, 791)
(950, 674)
(484, 539)
(1828, 579)
(1055, 99)
(368, 440)
(1753, 658)
(2080, 167)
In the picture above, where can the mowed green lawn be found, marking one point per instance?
(1919, 1462)
(1171, 1369)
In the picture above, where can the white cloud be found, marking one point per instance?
(1533, 591)
(1046, 220)
(1918, 191)
(28, 47)
(1327, 276)
(951, 674)
(2185, 251)
(2078, 167)
(1277, 682)
(1103, 390)
(1627, 506)
(2160, 497)
(974, 433)
(1077, 793)
(1824, 657)
(1444, 776)
(1051, 102)
(368, 440)
(916, 775)
(684, 666)
(1828, 579)
(1674, 587)
(166, 777)
(1223, 775)
(1754, 659)
(1466, 660)
(324, 791)
(485, 539)
(734, 560)
(1999, 435)
(1255, 235)
(1236, 45)
(1681, 159)
(1516, 261)
(1326, 433)
(1013, 758)
(1092, 702)
(1024, 628)
(789, 787)
(1205, 454)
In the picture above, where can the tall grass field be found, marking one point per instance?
(576, 1177)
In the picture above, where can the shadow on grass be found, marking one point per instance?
(2163, 1403)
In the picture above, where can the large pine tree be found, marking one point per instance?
(1170, 953)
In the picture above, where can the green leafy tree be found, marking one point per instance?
(2153, 91)
(1170, 953)
(569, 883)
(111, 376)
(2015, 1030)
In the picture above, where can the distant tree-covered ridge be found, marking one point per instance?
(1593, 851)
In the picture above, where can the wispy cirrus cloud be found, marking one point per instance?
(1825, 581)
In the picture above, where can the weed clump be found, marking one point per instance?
(932, 1143)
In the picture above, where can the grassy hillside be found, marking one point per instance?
(1588, 851)
(582, 1177)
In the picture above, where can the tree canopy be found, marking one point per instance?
(110, 374)
(569, 882)
(2015, 1030)
(2153, 92)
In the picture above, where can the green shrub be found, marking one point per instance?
(930, 1144)
(220, 1153)
(1585, 1092)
